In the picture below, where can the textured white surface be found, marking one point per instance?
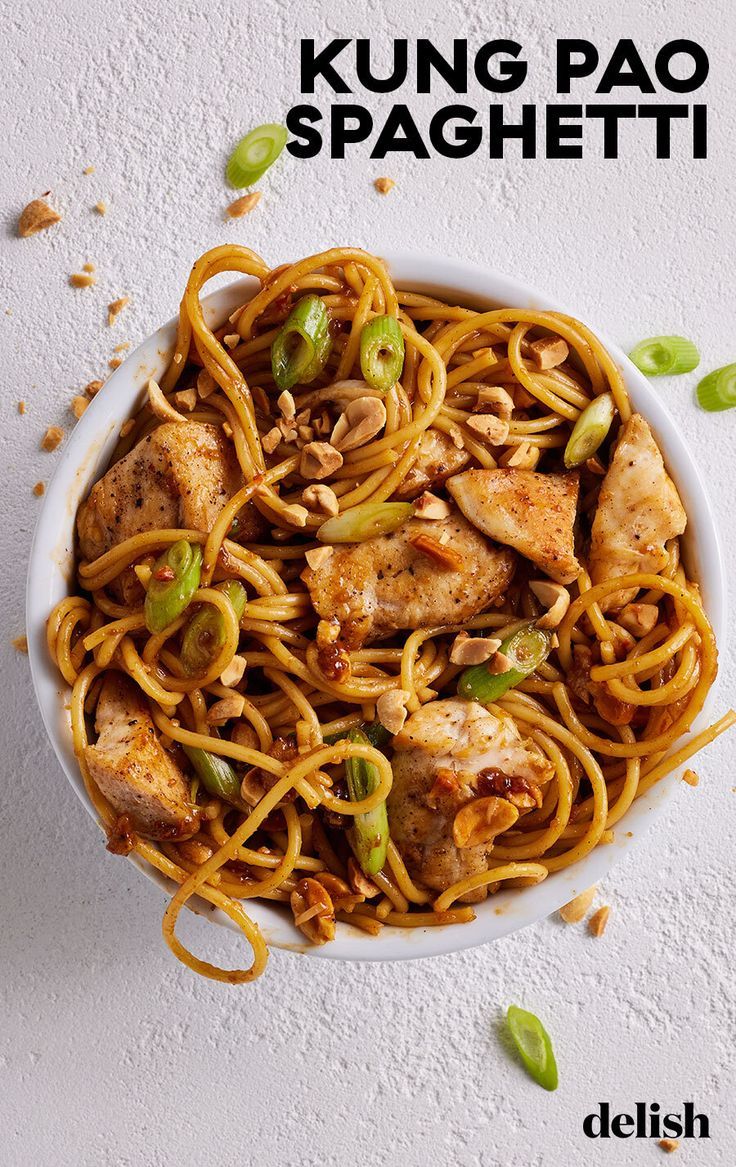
(109, 1052)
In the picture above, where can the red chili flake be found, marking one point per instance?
(164, 574)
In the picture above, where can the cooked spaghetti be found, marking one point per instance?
(381, 606)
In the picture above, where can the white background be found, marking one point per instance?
(110, 1053)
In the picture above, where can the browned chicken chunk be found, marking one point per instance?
(438, 458)
(534, 513)
(382, 585)
(137, 776)
(638, 510)
(448, 753)
(181, 475)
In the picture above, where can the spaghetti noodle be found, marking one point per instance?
(293, 719)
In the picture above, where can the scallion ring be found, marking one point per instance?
(663, 356)
(300, 351)
(254, 154)
(382, 352)
(717, 391)
(534, 1045)
(590, 430)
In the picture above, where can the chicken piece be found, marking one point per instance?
(386, 583)
(443, 740)
(438, 458)
(181, 475)
(534, 513)
(137, 776)
(638, 510)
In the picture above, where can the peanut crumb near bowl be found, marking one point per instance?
(92, 388)
(101, 208)
(691, 778)
(577, 909)
(669, 1145)
(88, 170)
(115, 308)
(88, 267)
(20, 644)
(243, 206)
(80, 279)
(115, 362)
(78, 405)
(384, 185)
(21, 407)
(52, 438)
(39, 489)
(598, 921)
(37, 216)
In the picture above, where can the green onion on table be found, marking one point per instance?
(254, 154)
(533, 1043)
(663, 356)
(717, 390)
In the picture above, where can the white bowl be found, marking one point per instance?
(85, 457)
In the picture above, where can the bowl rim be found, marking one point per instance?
(86, 454)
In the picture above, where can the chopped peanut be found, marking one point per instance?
(690, 777)
(20, 644)
(186, 399)
(82, 279)
(226, 708)
(101, 208)
(639, 619)
(360, 421)
(78, 405)
(360, 882)
(429, 506)
(92, 388)
(554, 597)
(21, 407)
(232, 340)
(384, 185)
(457, 438)
(522, 457)
(340, 892)
(127, 427)
(115, 308)
(51, 439)
(295, 515)
(489, 428)
(243, 206)
(499, 663)
(481, 820)
(391, 709)
(285, 402)
(206, 384)
(669, 1145)
(472, 650)
(37, 216)
(271, 440)
(496, 399)
(232, 674)
(446, 557)
(115, 363)
(160, 405)
(319, 460)
(549, 351)
(321, 498)
(88, 170)
(578, 908)
(597, 922)
(314, 912)
(40, 489)
(88, 267)
(316, 556)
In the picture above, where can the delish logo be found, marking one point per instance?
(646, 1123)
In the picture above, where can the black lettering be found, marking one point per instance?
(429, 58)
(663, 115)
(614, 74)
(312, 67)
(618, 1122)
(671, 1126)
(342, 134)
(690, 1119)
(297, 120)
(556, 132)
(514, 71)
(700, 131)
(654, 1129)
(465, 138)
(567, 69)
(701, 66)
(610, 115)
(602, 1119)
(400, 122)
(499, 131)
(376, 84)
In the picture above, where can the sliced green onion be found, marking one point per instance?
(718, 390)
(369, 834)
(178, 571)
(533, 1043)
(381, 352)
(376, 733)
(204, 634)
(662, 356)
(365, 521)
(216, 774)
(254, 154)
(590, 430)
(526, 649)
(300, 351)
